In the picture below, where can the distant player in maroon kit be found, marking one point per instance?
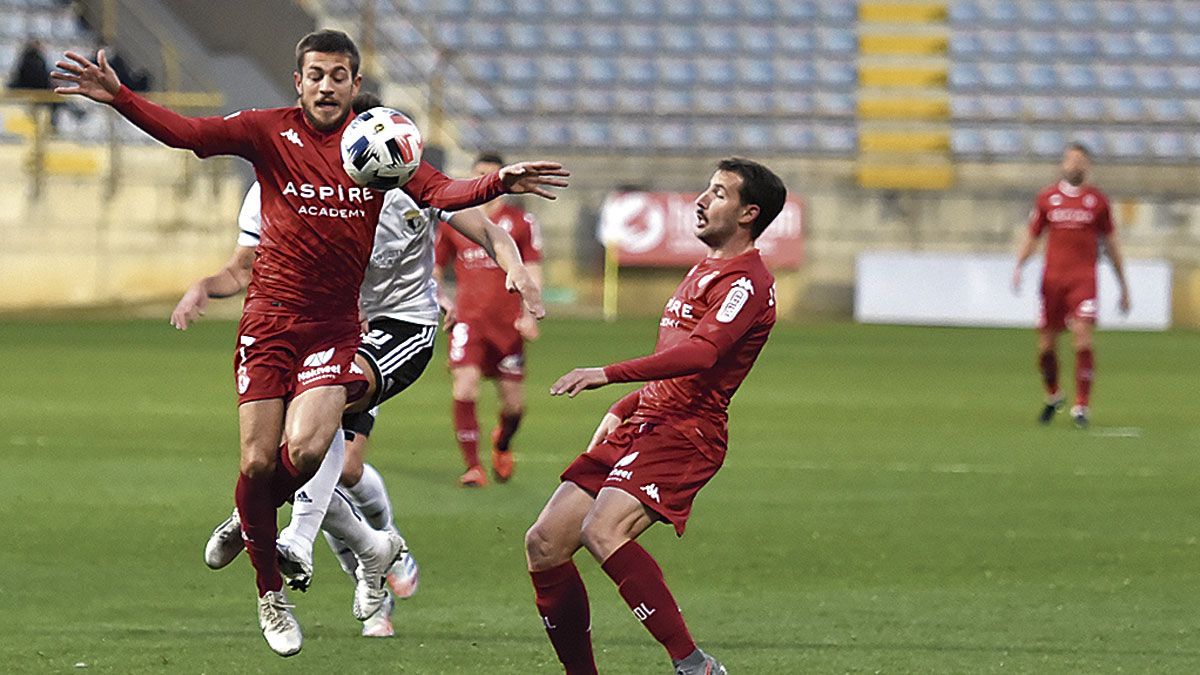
(1079, 221)
(488, 330)
(660, 444)
(294, 364)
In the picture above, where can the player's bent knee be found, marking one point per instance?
(542, 550)
(257, 466)
(601, 538)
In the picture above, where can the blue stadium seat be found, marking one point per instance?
(635, 70)
(1091, 138)
(595, 99)
(714, 71)
(1002, 12)
(757, 39)
(843, 11)
(602, 39)
(12, 25)
(965, 44)
(528, 8)
(1126, 144)
(1079, 44)
(837, 40)
(1152, 13)
(679, 39)
(482, 67)
(965, 12)
(522, 35)
(631, 100)
(509, 132)
(712, 134)
(1189, 44)
(1126, 110)
(557, 69)
(965, 76)
(1169, 110)
(1085, 108)
(642, 9)
(598, 70)
(1155, 46)
(484, 35)
(681, 9)
(1155, 79)
(758, 10)
(1075, 13)
(1039, 44)
(966, 107)
(1118, 46)
(1187, 78)
(673, 101)
(795, 72)
(672, 135)
(1000, 75)
(1001, 107)
(1116, 78)
(515, 98)
(597, 8)
(1046, 142)
(838, 139)
(754, 136)
(590, 133)
(718, 9)
(1169, 146)
(628, 134)
(553, 100)
(1004, 142)
(1117, 14)
(794, 137)
(757, 103)
(1001, 44)
(755, 72)
(1038, 12)
(473, 101)
(1078, 77)
(517, 68)
(1193, 110)
(549, 133)
(718, 39)
(834, 104)
(791, 103)
(837, 73)
(713, 101)
(566, 37)
(967, 142)
(792, 12)
(676, 71)
(490, 7)
(1048, 108)
(1038, 76)
(639, 38)
(794, 40)
(1189, 14)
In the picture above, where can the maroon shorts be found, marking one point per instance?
(1065, 301)
(282, 356)
(496, 351)
(657, 464)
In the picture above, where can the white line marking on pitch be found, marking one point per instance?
(1117, 432)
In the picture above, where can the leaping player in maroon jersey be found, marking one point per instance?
(659, 445)
(294, 365)
(1079, 221)
(488, 329)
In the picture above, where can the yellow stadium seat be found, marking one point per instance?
(902, 76)
(902, 45)
(904, 141)
(905, 177)
(904, 108)
(892, 12)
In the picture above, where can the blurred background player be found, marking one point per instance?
(659, 445)
(488, 330)
(1079, 221)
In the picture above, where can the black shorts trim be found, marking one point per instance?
(397, 352)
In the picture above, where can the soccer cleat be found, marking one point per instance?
(379, 624)
(403, 576)
(225, 543)
(700, 663)
(370, 590)
(1052, 406)
(279, 625)
(474, 477)
(502, 465)
(1079, 415)
(296, 568)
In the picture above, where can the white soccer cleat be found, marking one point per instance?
(225, 543)
(279, 625)
(295, 565)
(370, 591)
(403, 576)
(379, 624)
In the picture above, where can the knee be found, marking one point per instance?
(512, 408)
(465, 386)
(257, 465)
(599, 538)
(308, 449)
(541, 549)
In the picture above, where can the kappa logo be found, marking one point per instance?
(292, 136)
(705, 279)
(355, 370)
(651, 491)
(318, 358)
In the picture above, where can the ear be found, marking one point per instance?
(749, 214)
(357, 85)
(296, 79)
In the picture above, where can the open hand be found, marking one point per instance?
(519, 280)
(191, 305)
(97, 81)
(578, 380)
(534, 177)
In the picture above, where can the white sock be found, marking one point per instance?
(343, 522)
(344, 555)
(312, 499)
(370, 495)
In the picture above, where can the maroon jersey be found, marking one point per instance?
(318, 228)
(482, 297)
(1077, 217)
(731, 304)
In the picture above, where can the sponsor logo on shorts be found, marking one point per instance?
(617, 473)
(318, 358)
(307, 377)
(651, 491)
(512, 364)
(355, 370)
(1087, 309)
(243, 379)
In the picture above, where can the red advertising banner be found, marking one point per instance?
(658, 229)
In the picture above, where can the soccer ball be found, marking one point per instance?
(381, 149)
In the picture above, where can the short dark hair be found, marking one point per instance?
(329, 42)
(761, 187)
(364, 101)
(1078, 145)
(489, 157)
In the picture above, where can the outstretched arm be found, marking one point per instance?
(231, 279)
(686, 358)
(428, 186)
(500, 247)
(1024, 253)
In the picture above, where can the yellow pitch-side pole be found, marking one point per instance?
(611, 274)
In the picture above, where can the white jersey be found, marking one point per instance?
(399, 279)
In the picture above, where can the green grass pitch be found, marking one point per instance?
(888, 505)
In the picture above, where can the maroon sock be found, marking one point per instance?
(506, 430)
(640, 581)
(287, 478)
(1084, 365)
(259, 529)
(1048, 364)
(466, 430)
(563, 603)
